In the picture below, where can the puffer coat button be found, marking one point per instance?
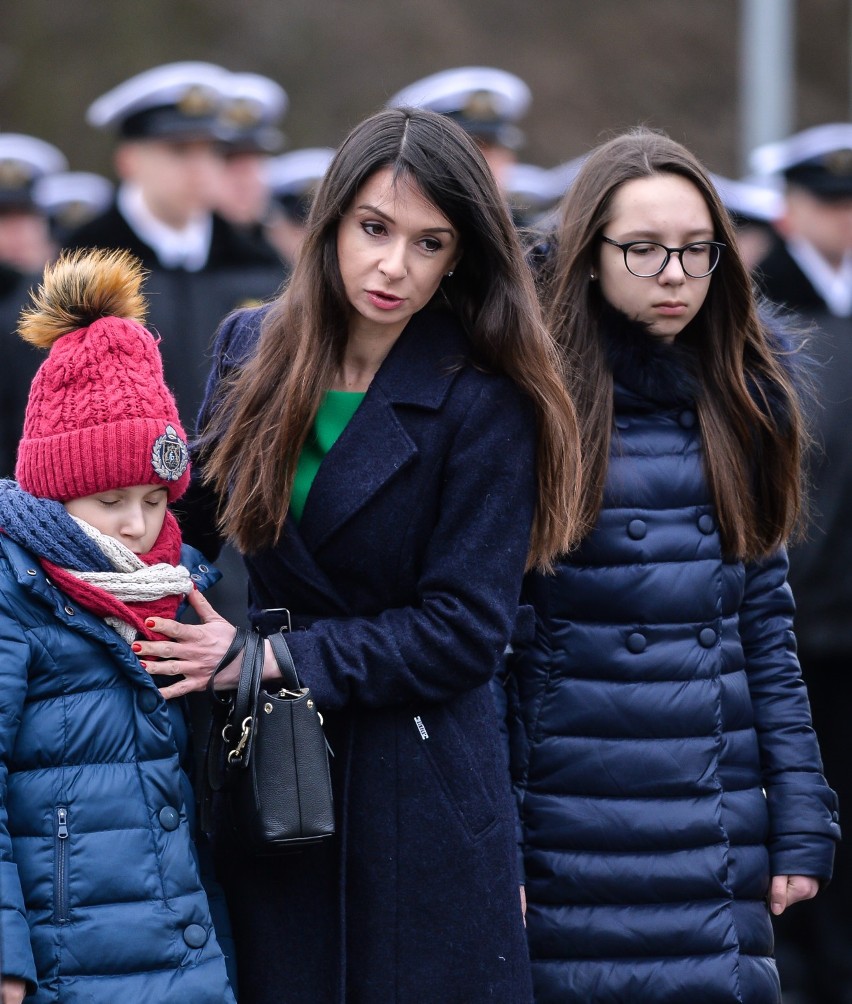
(195, 936)
(687, 419)
(169, 819)
(706, 523)
(636, 643)
(637, 529)
(707, 637)
(622, 423)
(148, 701)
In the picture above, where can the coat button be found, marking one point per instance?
(203, 568)
(687, 419)
(706, 523)
(707, 637)
(195, 577)
(170, 820)
(636, 528)
(69, 611)
(622, 423)
(148, 701)
(31, 571)
(636, 643)
(195, 936)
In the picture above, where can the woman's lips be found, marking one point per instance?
(384, 301)
(671, 308)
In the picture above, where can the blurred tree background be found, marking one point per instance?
(594, 66)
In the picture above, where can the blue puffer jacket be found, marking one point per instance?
(662, 744)
(100, 898)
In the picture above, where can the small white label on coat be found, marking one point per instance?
(421, 728)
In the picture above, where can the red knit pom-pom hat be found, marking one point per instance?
(99, 414)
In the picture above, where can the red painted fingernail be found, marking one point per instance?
(144, 665)
(136, 647)
(150, 622)
(195, 585)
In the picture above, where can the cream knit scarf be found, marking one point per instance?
(131, 581)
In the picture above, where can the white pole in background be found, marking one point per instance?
(767, 72)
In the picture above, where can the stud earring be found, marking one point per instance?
(449, 275)
(592, 276)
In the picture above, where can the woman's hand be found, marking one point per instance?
(192, 650)
(13, 990)
(789, 889)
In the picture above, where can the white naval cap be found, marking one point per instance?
(531, 185)
(485, 101)
(819, 159)
(749, 198)
(172, 100)
(70, 198)
(294, 176)
(23, 160)
(252, 108)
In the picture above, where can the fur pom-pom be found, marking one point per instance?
(80, 287)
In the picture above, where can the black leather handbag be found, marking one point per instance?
(268, 754)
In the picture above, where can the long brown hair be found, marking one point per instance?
(273, 400)
(751, 421)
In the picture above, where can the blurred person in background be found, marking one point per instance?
(26, 246)
(71, 198)
(809, 271)
(754, 209)
(293, 178)
(486, 102)
(25, 243)
(252, 112)
(169, 157)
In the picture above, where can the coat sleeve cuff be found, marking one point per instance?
(804, 827)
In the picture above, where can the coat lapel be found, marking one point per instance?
(375, 447)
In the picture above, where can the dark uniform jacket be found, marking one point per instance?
(186, 308)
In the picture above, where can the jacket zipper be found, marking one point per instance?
(61, 908)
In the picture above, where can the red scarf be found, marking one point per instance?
(166, 550)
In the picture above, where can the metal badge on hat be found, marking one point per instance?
(170, 457)
(481, 106)
(198, 101)
(13, 174)
(838, 162)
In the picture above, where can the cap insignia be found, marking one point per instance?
(169, 457)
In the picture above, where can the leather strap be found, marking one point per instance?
(281, 651)
(238, 643)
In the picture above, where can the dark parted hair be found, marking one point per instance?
(751, 419)
(273, 400)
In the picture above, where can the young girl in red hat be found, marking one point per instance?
(100, 894)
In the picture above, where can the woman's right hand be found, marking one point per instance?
(191, 651)
(13, 990)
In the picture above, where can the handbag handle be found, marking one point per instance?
(284, 658)
(245, 703)
(238, 643)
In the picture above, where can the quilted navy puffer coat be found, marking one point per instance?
(662, 744)
(100, 898)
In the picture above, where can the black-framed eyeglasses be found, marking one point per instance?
(648, 258)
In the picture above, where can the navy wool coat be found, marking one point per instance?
(402, 580)
(100, 895)
(662, 742)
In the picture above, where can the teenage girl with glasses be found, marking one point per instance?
(670, 781)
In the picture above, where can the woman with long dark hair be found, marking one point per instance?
(391, 445)
(669, 778)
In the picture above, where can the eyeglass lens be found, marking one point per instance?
(649, 259)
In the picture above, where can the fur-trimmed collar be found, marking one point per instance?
(646, 366)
